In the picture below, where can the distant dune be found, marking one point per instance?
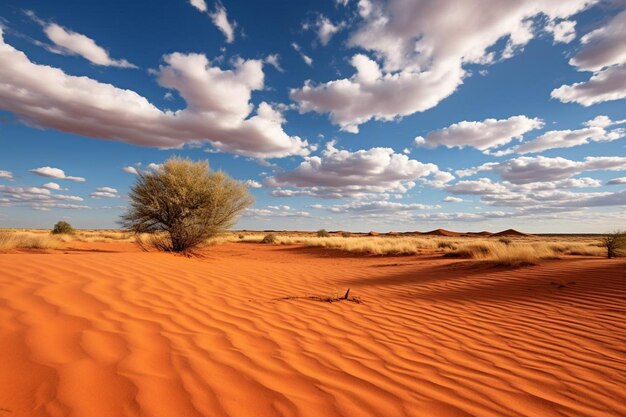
(105, 330)
(442, 232)
(510, 232)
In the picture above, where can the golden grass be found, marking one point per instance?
(510, 251)
(27, 240)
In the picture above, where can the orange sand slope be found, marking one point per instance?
(111, 334)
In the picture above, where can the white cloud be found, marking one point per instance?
(485, 135)
(199, 4)
(253, 184)
(6, 174)
(37, 198)
(527, 169)
(105, 192)
(218, 105)
(327, 29)
(607, 85)
(617, 181)
(375, 207)
(594, 132)
(72, 43)
(451, 199)
(604, 53)
(52, 186)
(564, 31)
(130, 170)
(220, 20)
(307, 59)
(476, 187)
(274, 61)
(417, 63)
(55, 173)
(275, 211)
(341, 173)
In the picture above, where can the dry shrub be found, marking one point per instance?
(269, 238)
(323, 233)
(183, 204)
(26, 240)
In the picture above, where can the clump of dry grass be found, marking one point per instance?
(27, 240)
(369, 245)
(509, 254)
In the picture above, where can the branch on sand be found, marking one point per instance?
(324, 299)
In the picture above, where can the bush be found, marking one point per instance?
(322, 233)
(346, 234)
(183, 204)
(505, 240)
(62, 228)
(613, 243)
(269, 238)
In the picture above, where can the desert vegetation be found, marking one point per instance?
(183, 204)
(62, 228)
(614, 243)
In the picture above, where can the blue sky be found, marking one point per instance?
(339, 114)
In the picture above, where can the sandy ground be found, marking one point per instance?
(105, 331)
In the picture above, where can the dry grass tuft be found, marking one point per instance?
(27, 240)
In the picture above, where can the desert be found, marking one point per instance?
(98, 327)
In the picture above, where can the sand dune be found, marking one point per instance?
(120, 333)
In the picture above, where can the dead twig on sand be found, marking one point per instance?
(324, 299)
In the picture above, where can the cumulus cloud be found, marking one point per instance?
(595, 131)
(540, 168)
(450, 199)
(253, 184)
(73, 43)
(527, 169)
(37, 198)
(485, 135)
(415, 63)
(218, 105)
(617, 181)
(52, 186)
(274, 61)
(199, 4)
(327, 29)
(563, 32)
(341, 173)
(375, 207)
(307, 59)
(105, 192)
(275, 211)
(6, 174)
(130, 170)
(220, 20)
(55, 173)
(603, 52)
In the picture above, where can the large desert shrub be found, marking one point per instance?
(62, 227)
(184, 203)
(614, 243)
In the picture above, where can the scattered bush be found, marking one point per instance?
(18, 240)
(614, 243)
(505, 240)
(269, 238)
(346, 234)
(183, 204)
(241, 236)
(62, 228)
(322, 233)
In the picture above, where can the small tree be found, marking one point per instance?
(62, 227)
(183, 203)
(322, 233)
(613, 242)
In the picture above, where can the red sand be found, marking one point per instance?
(119, 333)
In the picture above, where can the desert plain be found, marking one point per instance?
(94, 326)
